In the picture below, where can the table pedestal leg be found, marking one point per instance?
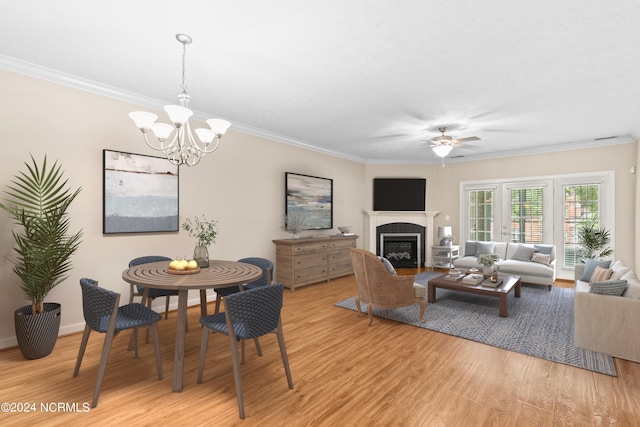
(181, 328)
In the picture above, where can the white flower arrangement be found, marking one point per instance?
(488, 259)
(203, 230)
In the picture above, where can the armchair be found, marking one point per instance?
(379, 288)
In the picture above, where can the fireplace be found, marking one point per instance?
(377, 222)
(403, 250)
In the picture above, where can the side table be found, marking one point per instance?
(443, 256)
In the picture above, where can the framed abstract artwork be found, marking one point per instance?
(140, 193)
(311, 198)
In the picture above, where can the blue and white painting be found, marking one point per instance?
(312, 197)
(140, 193)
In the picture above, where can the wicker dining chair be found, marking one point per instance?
(136, 291)
(266, 279)
(102, 314)
(249, 314)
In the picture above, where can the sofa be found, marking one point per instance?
(535, 264)
(605, 322)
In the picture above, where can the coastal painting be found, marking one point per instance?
(312, 198)
(140, 194)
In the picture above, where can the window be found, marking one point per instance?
(581, 204)
(526, 215)
(480, 215)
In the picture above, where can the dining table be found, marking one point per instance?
(219, 274)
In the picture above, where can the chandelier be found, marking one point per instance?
(177, 142)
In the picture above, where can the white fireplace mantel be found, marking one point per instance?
(374, 219)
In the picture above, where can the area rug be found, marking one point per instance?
(540, 323)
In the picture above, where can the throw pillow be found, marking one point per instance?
(619, 270)
(633, 290)
(523, 253)
(600, 275)
(609, 287)
(541, 258)
(590, 265)
(484, 248)
(387, 264)
(544, 249)
(470, 248)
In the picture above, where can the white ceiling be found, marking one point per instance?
(360, 79)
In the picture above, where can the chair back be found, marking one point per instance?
(147, 260)
(267, 270)
(255, 312)
(98, 304)
(360, 272)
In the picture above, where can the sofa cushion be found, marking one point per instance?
(633, 288)
(619, 269)
(387, 264)
(521, 268)
(470, 248)
(484, 248)
(590, 265)
(609, 287)
(600, 274)
(541, 258)
(523, 253)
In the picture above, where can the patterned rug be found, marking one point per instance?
(540, 323)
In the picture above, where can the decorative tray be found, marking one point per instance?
(197, 270)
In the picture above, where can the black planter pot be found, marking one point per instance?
(37, 333)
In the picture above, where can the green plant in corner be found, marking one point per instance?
(38, 200)
(593, 240)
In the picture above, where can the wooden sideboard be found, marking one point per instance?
(301, 262)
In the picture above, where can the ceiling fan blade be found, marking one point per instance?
(469, 138)
(467, 147)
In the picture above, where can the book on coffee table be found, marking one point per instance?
(472, 279)
(488, 282)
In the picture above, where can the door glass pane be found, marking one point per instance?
(581, 204)
(480, 215)
(526, 215)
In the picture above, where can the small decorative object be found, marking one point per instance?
(346, 230)
(204, 232)
(445, 232)
(494, 277)
(487, 260)
(294, 222)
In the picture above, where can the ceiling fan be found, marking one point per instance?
(443, 144)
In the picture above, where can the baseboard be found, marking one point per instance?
(11, 342)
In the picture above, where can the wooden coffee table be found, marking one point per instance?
(508, 283)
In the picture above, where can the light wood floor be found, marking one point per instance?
(344, 373)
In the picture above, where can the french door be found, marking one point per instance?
(509, 212)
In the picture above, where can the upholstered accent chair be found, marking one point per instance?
(377, 287)
(103, 314)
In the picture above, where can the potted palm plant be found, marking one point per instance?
(593, 240)
(38, 200)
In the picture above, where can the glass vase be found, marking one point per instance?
(201, 255)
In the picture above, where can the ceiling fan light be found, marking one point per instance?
(442, 150)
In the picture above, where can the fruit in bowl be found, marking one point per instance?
(182, 265)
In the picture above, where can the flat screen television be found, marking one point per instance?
(399, 194)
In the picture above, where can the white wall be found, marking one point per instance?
(241, 185)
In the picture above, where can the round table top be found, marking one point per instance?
(219, 274)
